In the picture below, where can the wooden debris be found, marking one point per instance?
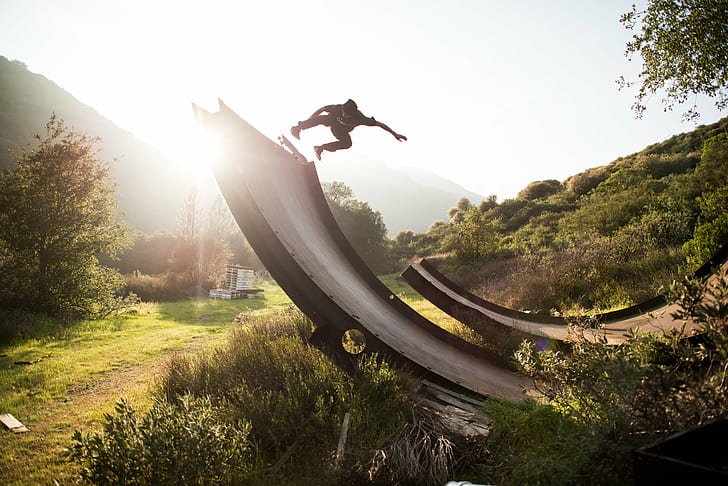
(462, 397)
(12, 423)
(284, 458)
(459, 413)
(342, 440)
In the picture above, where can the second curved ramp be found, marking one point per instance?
(498, 323)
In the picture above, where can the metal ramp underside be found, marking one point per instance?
(279, 204)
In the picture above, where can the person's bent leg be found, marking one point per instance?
(343, 142)
(312, 122)
(316, 120)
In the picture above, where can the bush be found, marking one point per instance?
(533, 444)
(712, 232)
(582, 183)
(651, 386)
(293, 396)
(166, 287)
(183, 443)
(711, 172)
(540, 190)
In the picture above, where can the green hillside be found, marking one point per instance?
(610, 236)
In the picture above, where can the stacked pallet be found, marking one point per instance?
(238, 277)
(238, 284)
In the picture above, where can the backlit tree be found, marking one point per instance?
(57, 214)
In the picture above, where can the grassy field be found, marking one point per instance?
(77, 372)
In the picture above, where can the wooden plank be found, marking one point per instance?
(454, 401)
(459, 396)
(342, 439)
(12, 423)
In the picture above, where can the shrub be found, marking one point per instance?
(582, 183)
(540, 190)
(183, 443)
(711, 173)
(650, 386)
(166, 287)
(712, 232)
(292, 395)
(533, 444)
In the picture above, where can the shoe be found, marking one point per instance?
(318, 149)
(296, 131)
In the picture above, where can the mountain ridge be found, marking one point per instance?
(27, 100)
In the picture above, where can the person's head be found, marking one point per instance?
(350, 107)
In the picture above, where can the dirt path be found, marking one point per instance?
(39, 456)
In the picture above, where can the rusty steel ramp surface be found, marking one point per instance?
(278, 203)
(497, 322)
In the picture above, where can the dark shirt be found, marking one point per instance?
(349, 122)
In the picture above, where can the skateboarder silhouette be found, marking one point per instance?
(342, 119)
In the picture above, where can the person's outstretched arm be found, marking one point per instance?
(396, 135)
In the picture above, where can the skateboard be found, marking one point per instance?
(294, 151)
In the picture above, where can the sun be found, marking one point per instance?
(198, 150)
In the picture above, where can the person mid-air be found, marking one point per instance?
(342, 119)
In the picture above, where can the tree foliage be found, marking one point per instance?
(540, 189)
(57, 214)
(650, 386)
(711, 181)
(363, 227)
(477, 237)
(684, 48)
(457, 212)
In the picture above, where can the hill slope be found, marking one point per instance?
(151, 190)
(26, 102)
(408, 198)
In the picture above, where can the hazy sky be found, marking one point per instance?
(492, 94)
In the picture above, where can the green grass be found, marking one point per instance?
(412, 298)
(427, 309)
(80, 369)
(85, 367)
(534, 444)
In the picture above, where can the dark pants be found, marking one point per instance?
(337, 129)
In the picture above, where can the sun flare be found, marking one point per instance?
(199, 150)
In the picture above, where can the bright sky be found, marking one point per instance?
(491, 94)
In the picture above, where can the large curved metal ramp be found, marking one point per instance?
(279, 205)
(499, 323)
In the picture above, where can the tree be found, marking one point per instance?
(711, 181)
(477, 237)
(404, 237)
(457, 212)
(57, 214)
(540, 190)
(363, 227)
(201, 252)
(684, 48)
